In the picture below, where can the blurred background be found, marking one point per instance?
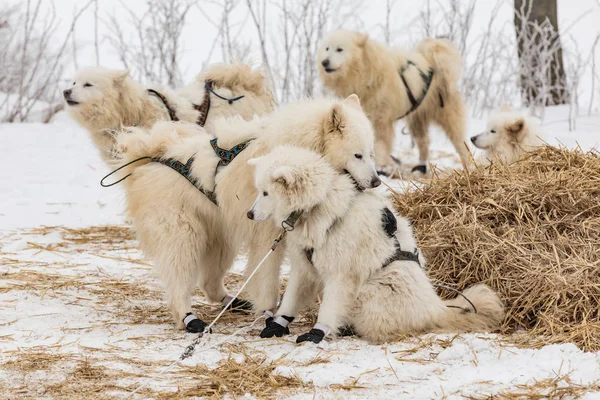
(527, 53)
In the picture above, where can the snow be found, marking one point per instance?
(97, 301)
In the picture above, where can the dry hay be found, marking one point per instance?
(531, 230)
(254, 375)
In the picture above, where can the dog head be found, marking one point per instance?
(289, 179)
(347, 142)
(504, 128)
(337, 49)
(93, 88)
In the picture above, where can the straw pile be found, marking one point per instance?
(531, 230)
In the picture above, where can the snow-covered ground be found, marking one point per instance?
(81, 315)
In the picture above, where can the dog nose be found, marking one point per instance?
(250, 214)
(473, 139)
(375, 181)
(67, 93)
(325, 63)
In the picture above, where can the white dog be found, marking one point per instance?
(188, 236)
(508, 137)
(103, 100)
(362, 256)
(420, 85)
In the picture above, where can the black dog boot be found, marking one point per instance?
(315, 335)
(420, 168)
(277, 327)
(193, 324)
(238, 305)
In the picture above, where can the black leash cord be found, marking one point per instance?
(460, 294)
(230, 101)
(118, 169)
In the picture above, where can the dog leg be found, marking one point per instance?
(453, 122)
(338, 295)
(419, 130)
(300, 291)
(384, 146)
(263, 288)
(218, 260)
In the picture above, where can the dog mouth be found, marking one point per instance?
(72, 102)
(330, 70)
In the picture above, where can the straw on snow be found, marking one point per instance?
(531, 230)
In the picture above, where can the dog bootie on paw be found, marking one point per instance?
(314, 335)
(238, 305)
(193, 324)
(277, 327)
(420, 168)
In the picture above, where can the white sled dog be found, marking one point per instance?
(361, 255)
(103, 100)
(193, 235)
(419, 85)
(508, 137)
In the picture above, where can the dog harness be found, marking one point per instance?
(185, 170)
(203, 108)
(427, 78)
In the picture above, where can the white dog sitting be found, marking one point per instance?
(508, 137)
(363, 257)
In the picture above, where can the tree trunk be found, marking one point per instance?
(529, 16)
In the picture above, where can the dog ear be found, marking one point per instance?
(283, 175)
(335, 121)
(516, 126)
(120, 76)
(361, 39)
(353, 101)
(505, 108)
(254, 161)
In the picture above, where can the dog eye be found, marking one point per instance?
(339, 50)
(358, 155)
(74, 83)
(327, 49)
(265, 193)
(493, 131)
(88, 85)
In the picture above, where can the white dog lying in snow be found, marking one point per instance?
(363, 257)
(508, 137)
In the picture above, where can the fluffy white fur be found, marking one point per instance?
(346, 230)
(187, 236)
(351, 62)
(508, 137)
(103, 100)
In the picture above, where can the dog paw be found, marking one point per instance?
(315, 336)
(241, 306)
(346, 330)
(193, 324)
(273, 329)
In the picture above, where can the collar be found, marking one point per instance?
(162, 98)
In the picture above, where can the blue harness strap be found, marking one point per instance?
(185, 171)
(227, 156)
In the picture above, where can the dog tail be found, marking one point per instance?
(446, 60)
(461, 317)
(133, 143)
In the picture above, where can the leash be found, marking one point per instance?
(458, 292)
(286, 226)
(214, 345)
(118, 169)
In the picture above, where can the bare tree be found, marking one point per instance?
(536, 27)
(31, 62)
(154, 52)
